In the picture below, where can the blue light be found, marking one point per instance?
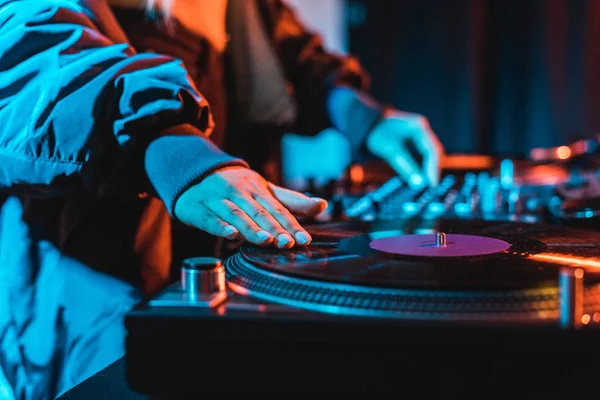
(437, 208)
(410, 208)
(424, 231)
(384, 234)
(507, 173)
(462, 208)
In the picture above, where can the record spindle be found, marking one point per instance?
(440, 239)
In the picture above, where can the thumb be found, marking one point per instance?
(298, 203)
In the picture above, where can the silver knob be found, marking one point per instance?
(571, 297)
(202, 275)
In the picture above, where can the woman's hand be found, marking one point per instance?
(237, 201)
(389, 140)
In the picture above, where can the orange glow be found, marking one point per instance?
(569, 261)
(581, 146)
(563, 152)
(596, 317)
(543, 175)
(466, 161)
(152, 246)
(238, 289)
(357, 174)
(538, 154)
(585, 319)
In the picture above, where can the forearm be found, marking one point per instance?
(331, 90)
(354, 113)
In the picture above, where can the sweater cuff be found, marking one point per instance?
(175, 163)
(354, 113)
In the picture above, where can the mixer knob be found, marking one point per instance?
(514, 201)
(490, 197)
(576, 180)
(483, 179)
(465, 202)
(533, 205)
(507, 173)
(202, 276)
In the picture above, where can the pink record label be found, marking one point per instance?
(426, 245)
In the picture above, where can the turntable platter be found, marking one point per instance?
(439, 245)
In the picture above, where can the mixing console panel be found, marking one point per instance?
(536, 195)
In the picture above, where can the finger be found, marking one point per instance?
(298, 203)
(426, 144)
(201, 217)
(263, 218)
(234, 215)
(406, 167)
(283, 217)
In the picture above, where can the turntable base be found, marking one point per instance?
(344, 318)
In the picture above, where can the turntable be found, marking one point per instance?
(447, 307)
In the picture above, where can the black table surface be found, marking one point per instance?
(107, 384)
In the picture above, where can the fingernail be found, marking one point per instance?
(416, 180)
(317, 199)
(263, 236)
(302, 238)
(283, 239)
(230, 232)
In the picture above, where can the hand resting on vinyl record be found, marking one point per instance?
(236, 201)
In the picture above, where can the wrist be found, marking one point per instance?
(175, 163)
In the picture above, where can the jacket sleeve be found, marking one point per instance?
(79, 111)
(331, 90)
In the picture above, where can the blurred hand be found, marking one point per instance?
(236, 201)
(389, 140)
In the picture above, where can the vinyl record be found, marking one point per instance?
(394, 267)
(342, 253)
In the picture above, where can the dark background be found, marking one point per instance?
(492, 76)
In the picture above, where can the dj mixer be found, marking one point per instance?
(513, 191)
(486, 285)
